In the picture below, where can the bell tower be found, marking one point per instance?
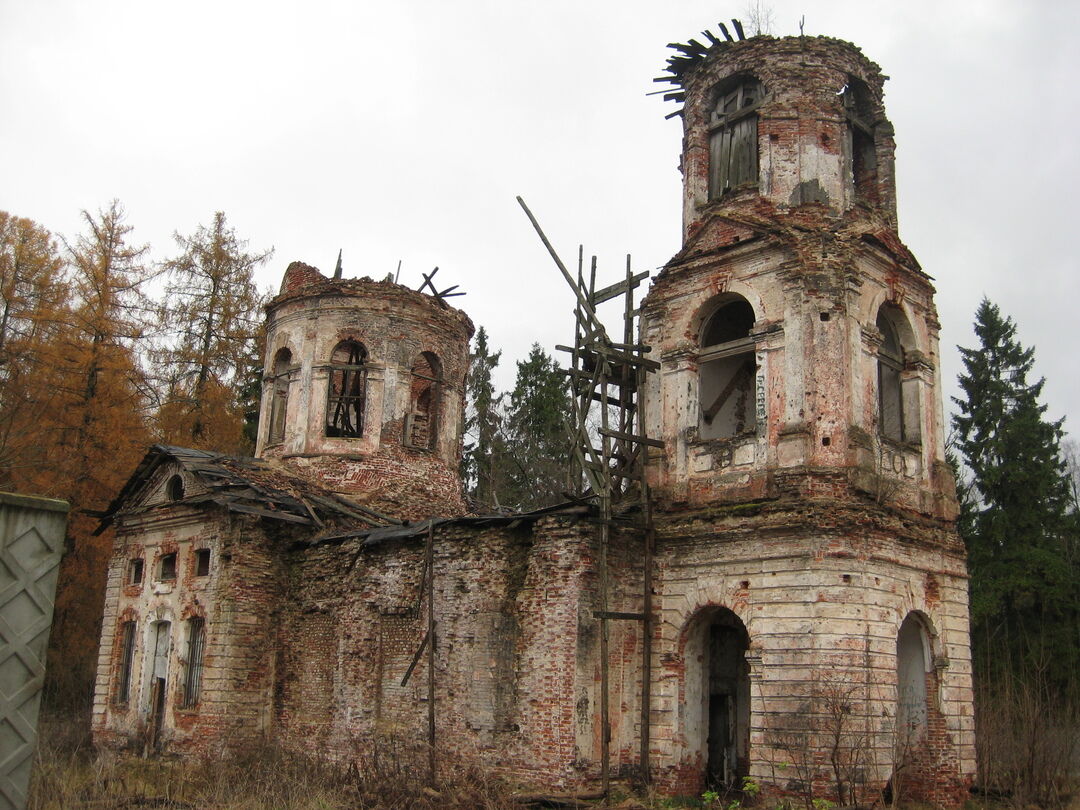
(798, 335)
(806, 547)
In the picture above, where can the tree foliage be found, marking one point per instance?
(481, 463)
(537, 445)
(33, 301)
(72, 404)
(1019, 518)
(212, 315)
(516, 446)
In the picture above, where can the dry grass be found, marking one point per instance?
(69, 774)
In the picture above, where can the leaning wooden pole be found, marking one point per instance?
(647, 531)
(429, 563)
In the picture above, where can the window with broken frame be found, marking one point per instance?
(347, 391)
(727, 369)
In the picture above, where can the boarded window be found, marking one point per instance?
(202, 562)
(127, 656)
(421, 422)
(167, 568)
(279, 401)
(727, 372)
(347, 390)
(733, 136)
(135, 571)
(193, 671)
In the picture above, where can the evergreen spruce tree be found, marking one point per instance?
(480, 463)
(1016, 521)
(537, 445)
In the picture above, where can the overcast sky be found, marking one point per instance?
(403, 130)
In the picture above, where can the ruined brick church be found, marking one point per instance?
(796, 610)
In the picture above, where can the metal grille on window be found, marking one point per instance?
(196, 647)
(127, 655)
(733, 139)
(348, 389)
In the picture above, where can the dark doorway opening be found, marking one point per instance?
(718, 697)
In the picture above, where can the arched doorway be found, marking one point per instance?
(717, 708)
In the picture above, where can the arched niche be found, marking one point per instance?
(914, 663)
(425, 388)
(279, 395)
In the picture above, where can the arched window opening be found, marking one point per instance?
(858, 109)
(279, 401)
(898, 395)
(174, 489)
(421, 422)
(348, 390)
(727, 372)
(913, 663)
(717, 721)
(733, 137)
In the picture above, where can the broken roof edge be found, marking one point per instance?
(305, 281)
(374, 536)
(259, 488)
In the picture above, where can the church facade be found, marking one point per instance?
(807, 617)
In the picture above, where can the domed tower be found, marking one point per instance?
(363, 389)
(807, 555)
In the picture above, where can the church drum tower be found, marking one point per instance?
(811, 623)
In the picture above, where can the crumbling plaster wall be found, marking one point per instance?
(236, 599)
(803, 144)
(513, 688)
(822, 589)
(816, 300)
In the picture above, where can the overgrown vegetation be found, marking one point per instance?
(1020, 520)
(69, 774)
(93, 368)
(516, 452)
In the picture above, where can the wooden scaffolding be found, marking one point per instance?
(606, 428)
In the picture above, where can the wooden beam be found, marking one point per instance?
(415, 660)
(615, 614)
(630, 437)
(619, 287)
